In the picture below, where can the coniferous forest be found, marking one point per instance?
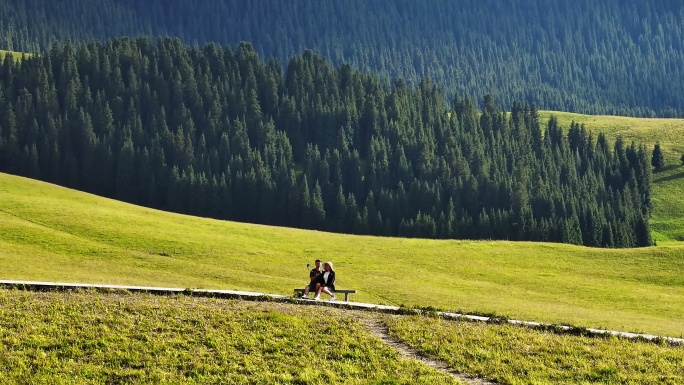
(220, 132)
(600, 57)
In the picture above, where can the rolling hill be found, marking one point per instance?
(56, 234)
(221, 134)
(667, 223)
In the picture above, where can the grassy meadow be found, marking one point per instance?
(15, 55)
(514, 355)
(667, 223)
(114, 338)
(52, 233)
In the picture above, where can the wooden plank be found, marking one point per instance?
(346, 292)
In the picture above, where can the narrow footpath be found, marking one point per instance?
(379, 330)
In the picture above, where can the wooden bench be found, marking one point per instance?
(341, 291)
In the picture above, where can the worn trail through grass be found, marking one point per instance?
(379, 330)
(89, 336)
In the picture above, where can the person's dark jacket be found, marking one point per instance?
(330, 283)
(315, 275)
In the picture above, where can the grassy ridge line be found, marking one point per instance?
(90, 337)
(15, 55)
(667, 223)
(51, 233)
(649, 131)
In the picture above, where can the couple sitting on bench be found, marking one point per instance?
(321, 281)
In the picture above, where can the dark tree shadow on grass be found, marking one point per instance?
(669, 167)
(668, 178)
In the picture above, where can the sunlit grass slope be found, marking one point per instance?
(56, 234)
(95, 338)
(15, 55)
(668, 187)
(514, 355)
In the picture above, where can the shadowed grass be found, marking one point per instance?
(56, 234)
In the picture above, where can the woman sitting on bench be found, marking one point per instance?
(327, 282)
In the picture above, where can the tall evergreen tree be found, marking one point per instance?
(658, 159)
(126, 182)
(208, 132)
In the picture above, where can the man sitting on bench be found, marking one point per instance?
(314, 276)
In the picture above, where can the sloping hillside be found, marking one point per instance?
(57, 234)
(667, 223)
(15, 55)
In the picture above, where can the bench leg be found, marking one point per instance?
(346, 297)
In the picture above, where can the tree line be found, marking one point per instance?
(620, 57)
(222, 133)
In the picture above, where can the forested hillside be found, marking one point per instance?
(212, 132)
(611, 56)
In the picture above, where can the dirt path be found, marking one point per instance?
(379, 330)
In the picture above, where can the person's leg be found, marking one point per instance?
(306, 291)
(328, 292)
(319, 287)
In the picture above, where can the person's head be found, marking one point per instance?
(328, 266)
(318, 263)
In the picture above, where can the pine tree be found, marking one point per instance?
(341, 212)
(658, 159)
(153, 193)
(317, 208)
(322, 147)
(126, 186)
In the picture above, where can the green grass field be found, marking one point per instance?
(96, 338)
(667, 223)
(515, 355)
(15, 55)
(56, 234)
